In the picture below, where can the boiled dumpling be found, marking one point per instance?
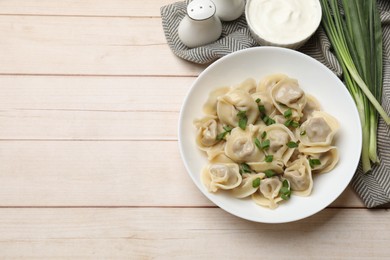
(210, 107)
(312, 105)
(287, 94)
(240, 146)
(207, 131)
(298, 173)
(327, 156)
(216, 153)
(230, 104)
(246, 188)
(225, 176)
(268, 193)
(265, 100)
(318, 130)
(279, 136)
(276, 166)
(268, 82)
(248, 85)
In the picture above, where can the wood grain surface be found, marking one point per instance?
(90, 96)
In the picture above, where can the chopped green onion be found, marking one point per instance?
(269, 173)
(263, 134)
(261, 109)
(256, 183)
(314, 162)
(228, 128)
(265, 144)
(303, 132)
(292, 144)
(258, 100)
(295, 124)
(243, 119)
(287, 113)
(269, 158)
(288, 122)
(222, 135)
(245, 168)
(257, 143)
(285, 191)
(268, 121)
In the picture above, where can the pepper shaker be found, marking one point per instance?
(229, 10)
(201, 25)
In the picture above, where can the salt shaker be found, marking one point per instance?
(201, 25)
(229, 10)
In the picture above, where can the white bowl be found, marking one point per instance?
(314, 78)
(265, 40)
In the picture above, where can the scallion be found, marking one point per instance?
(356, 37)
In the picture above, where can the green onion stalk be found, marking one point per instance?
(356, 37)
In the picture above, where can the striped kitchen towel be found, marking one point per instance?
(373, 187)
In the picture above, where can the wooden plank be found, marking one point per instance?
(133, 173)
(187, 233)
(90, 107)
(84, 7)
(87, 125)
(115, 94)
(87, 46)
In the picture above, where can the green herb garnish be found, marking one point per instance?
(269, 158)
(268, 121)
(314, 162)
(256, 183)
(243, 119)
(285, 191)
(263, 134)
(261, 109)
(245, 168)
(303, 132)
(265, 144)
(295, 124)
(292, 144)
(269, 173)
(222, 135)
(287, 113)
(258, 100)
(257, 143)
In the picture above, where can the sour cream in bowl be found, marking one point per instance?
(283, 23)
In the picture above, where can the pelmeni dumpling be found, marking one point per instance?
(266, 101)
(216, 153)
(248, 85)
(268, 82)
(298, 173)
(268, 193)
(312, 105)
(279, 135)
(276, 166)
(225, 176)
(328, 157)
(210, 107)
(233, 102)
(240, 146)
(287, 94)
(207, 131)
(318, 130)
(246, 188)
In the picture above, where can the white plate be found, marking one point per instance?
(314, 78)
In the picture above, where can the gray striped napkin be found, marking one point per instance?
(373, 187)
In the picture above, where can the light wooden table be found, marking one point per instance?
(90, 95)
